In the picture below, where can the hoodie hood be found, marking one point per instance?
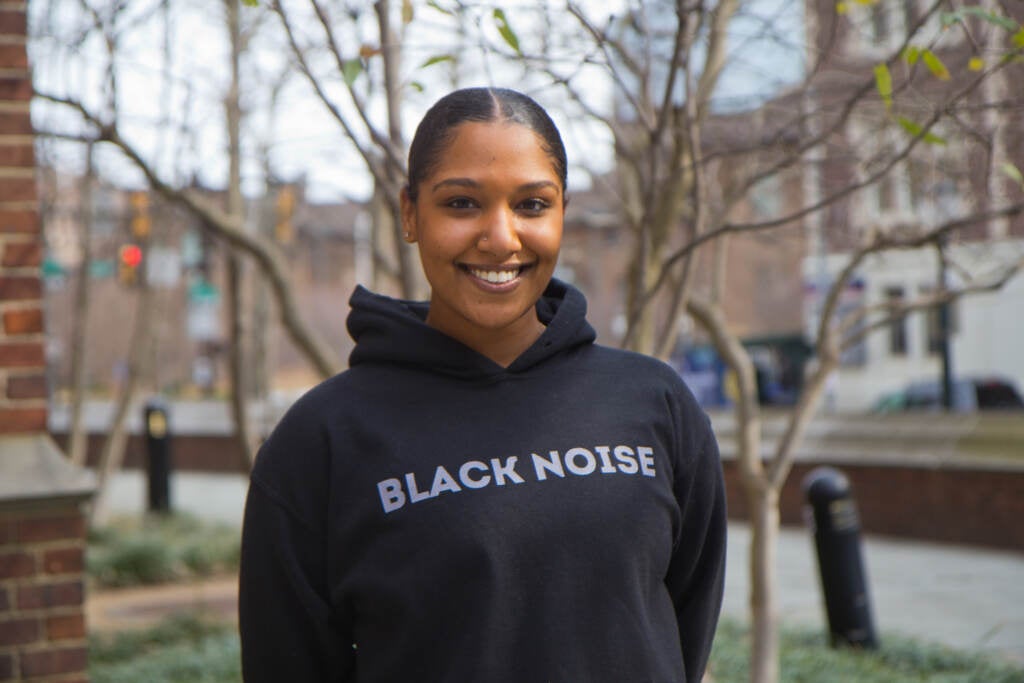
(388, 330)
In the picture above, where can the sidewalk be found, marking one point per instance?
(967, 598)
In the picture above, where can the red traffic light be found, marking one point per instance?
(131, 255)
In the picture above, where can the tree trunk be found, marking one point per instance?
(262, 350)
(235, 274)
(641, 335)
(112, 454)
(763, 503)
(78, 434)
(391, 55)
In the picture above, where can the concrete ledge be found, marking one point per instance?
(930, 440)
(32, 469)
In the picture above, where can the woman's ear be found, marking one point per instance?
(408, 217)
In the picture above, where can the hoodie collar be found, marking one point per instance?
(388, 330)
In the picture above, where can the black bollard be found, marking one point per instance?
(158, 454)
(836, 527)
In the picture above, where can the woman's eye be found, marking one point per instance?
(460, 203)
(534, 205)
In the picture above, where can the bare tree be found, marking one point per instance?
(369, 62)
(103, 125)
(78, 433)
(238, 345)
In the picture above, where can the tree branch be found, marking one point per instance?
(229, 227)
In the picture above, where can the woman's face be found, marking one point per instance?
(488, 222)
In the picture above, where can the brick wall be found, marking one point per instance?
(42, 528)
(42, 627)
(959, 505)
(22, 358)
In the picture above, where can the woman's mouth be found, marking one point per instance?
(496, 276)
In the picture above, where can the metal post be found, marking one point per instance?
(836, 527)
(947, 206)
(158, 452)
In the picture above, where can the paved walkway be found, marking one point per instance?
(963, 597)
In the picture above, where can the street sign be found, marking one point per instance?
(163, 267)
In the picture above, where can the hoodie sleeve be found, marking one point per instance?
(696, 574)
(289, 630)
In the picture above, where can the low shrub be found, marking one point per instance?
(160, 548)
(133, 560)
(182, 649)
(807, 658)
(193, 649)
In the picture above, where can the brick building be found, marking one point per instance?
(42, 527)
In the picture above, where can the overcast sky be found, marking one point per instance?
(187, 137)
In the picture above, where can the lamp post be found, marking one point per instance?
(946, 199)
(943, 313)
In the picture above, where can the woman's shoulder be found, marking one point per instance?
(643, 372)
(636, 364)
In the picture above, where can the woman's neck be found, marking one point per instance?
(501, 345)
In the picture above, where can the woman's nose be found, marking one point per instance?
(500, 233)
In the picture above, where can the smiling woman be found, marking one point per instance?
(488, 221)
(486, 494)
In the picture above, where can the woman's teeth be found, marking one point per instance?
(496, 277)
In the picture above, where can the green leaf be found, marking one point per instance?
(883, 82)
(947, 19)
(935, 65)
(416, 85)
(1018, 38)
(350, 70)
(506, 30)
(1014, 173)
(433, 4)
(997, 19)
(407, 11)
(916, 130)
(437, 59)
(251, 3)
(911, 54)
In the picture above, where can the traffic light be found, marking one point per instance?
(141, 222)
(284, 231)
(129, 259)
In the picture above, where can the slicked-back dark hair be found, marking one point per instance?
(437, 128)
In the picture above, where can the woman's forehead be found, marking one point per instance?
(495, 146)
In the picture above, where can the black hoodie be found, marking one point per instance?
(429, 515)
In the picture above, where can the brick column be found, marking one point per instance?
(42, 527)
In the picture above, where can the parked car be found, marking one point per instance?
(969, 394)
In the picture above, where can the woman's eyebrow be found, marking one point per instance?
(458, 182)
(539, 185)
(469, 182)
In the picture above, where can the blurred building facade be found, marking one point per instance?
(326, 246)
(958, 175)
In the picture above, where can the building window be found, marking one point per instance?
(898, 321)
(766, 198)
(881, 26)
(851, 301)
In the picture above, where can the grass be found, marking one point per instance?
(134, 551)
(193, 649)
(806, 658)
